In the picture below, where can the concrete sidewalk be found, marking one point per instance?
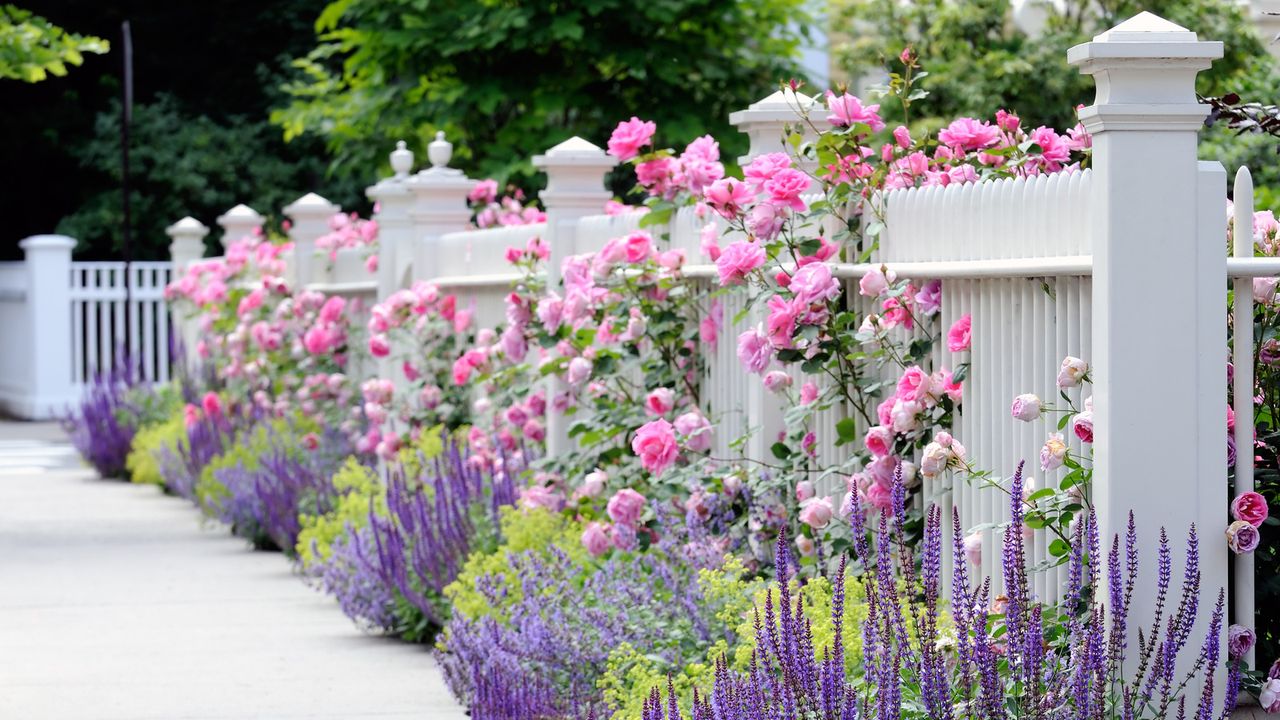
(117, 602)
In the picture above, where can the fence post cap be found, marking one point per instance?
(240, 214)
(401, 160)
(310, 205)
(783, 105)
(47, 242)
(187, 227)
(576, 152)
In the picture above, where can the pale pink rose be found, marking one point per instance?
(973, 548)
(875, 282)
(814, 283)
(846, 110)
(879, 441)
(1242, 537)
(785, 188)
(629, 137)
(708, 237)
(579, 371)
(915, 384)
(969, 134)
(660, 401)
(539, 496)
(1269, 695)
(804, 491)
(655, 444)
(1072, 372)
(905, 415)
(808, 393)
(929, 298)
(1251, 507)
(958, 337)
(763, 167)
(817, 512)
(1053, 453)
(695, 429)
(754, 351)
(626, 506)
(777, 381)
(728, 196)
(1082, 425)
(534, 431)
(1240, 641)
(1264, 289)
(805, 545)
(738, 260)
(934, 460)
(880, 496)
(766, 220)
(593, 484)
(1026, 407)
(431, 396)
(638, 246)
(595, 538)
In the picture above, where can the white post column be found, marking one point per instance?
(439, 206)
(395, 229)
(309, 216)
(575, 188)
(765, 123)
(1159, 318)
(240, 221)
(48, 263)
(188, 243)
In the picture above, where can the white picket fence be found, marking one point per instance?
(112, 324)
(1123, 265)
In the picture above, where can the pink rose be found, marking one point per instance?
(639, 246)
(728, 196)
(880, 496)
(539, 496)
(1240, 641)
(1250, 507)
(874, 283)
(660, 401)
(915, 384)
(1242, 537)
(879, 441)
(211, 403)
(1053, 453)
(695, 429)
(1264, 289)
(593, 484)
(579, 370)
(973, 548)
(1082, 425)
(626, 506)
(781, 322)
(655, 445)
(902, 136)
(332, 309)
(814, 283)
(1269, 695)
(766, 220)
(805, 545)
(847, 110)
(969, 134)
(958, 337)
(1073, 372)
(785, 187)
(808, 393)
(629, 137)
(754, 351)
(379, 346)
(595, 538)
(804, 491)
(737, 260)
(763, 167)
(1026, 407)
(777, 381)
(534, 431)
(817, 512)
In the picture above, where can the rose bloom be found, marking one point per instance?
(874, 283)
(785, 187)
(660, 401)
(915, 384)
(804, 491)
(934, 459)
(593, 484)
(626, 506)
(1269, 696)
(817, 512)
(805, 545)
(728, 196)
(1240, 640)
(959, 336)
(813, 283)
(777, 381)
(595, 538)
(1250, 507)
(879, 441)
(1082, 426)
(764, 167)
(754, 351)
(629, 137)
(808, 393)
(638, 247)
(973, 548)
(696, 430)
(1242, 537)
(846, 110)
(1026, 407)
(655, 444)
(1053, 453)
(737, 260)
(1072, 372)
(969, 134)
(539, 496)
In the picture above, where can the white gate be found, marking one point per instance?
(111, 325)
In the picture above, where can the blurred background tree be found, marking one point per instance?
(32, 48)
(506, 80)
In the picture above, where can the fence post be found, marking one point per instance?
(395, 231)
(1159, 375)
(238, 222)
(188, 243)
(575, 188)
(48, 263)
(439, 206)
(765, 121)
(309, 216)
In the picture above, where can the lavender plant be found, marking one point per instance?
(102, 426)
(1011, 658)
(353, 576)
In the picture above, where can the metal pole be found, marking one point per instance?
(126, 117)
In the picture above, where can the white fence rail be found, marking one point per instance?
(112, 324)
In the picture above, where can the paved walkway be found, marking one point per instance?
(117, 603)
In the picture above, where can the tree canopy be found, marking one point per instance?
(32, 48)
